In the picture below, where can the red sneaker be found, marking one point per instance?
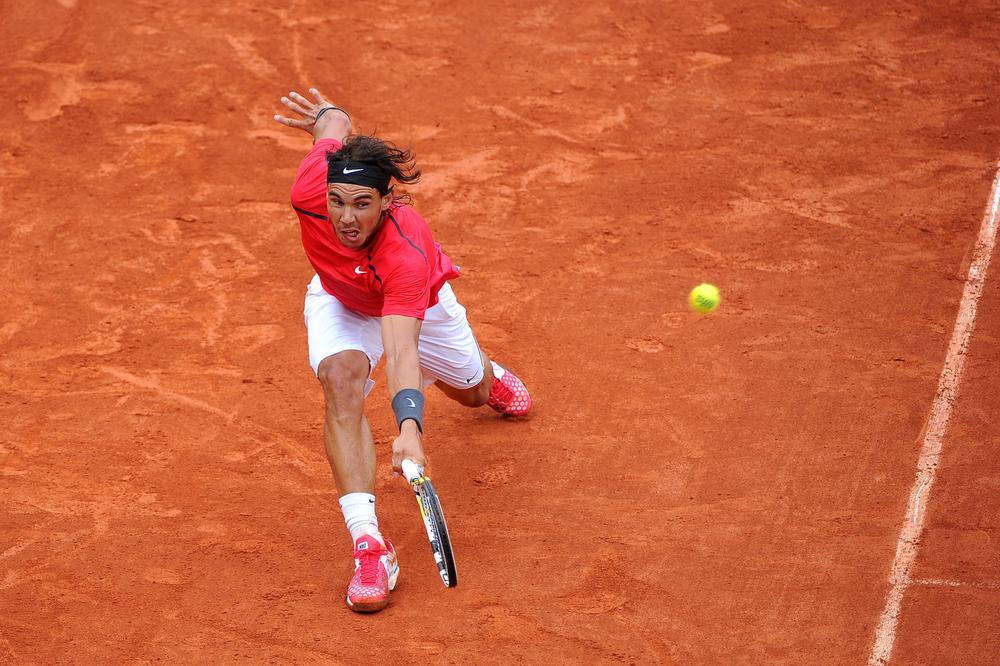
(509, 395)
(375, 574)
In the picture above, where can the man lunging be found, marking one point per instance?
(381, 288)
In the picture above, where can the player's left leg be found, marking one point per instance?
(450, 355)
(475, 396)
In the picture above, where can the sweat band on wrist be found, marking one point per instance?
(319, 114)
(409, 404)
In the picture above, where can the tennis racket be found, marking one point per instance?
(437, 529)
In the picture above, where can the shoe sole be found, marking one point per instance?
(375, 606)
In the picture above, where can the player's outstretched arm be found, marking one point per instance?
(322, 119)
(402, 369)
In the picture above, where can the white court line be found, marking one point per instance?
(944, 582)
(937, 425)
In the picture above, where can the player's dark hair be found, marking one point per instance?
(395, 162)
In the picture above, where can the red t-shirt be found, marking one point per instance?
(398, 273)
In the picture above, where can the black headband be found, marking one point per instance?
(358, 173)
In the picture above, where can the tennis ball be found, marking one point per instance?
(704, 298)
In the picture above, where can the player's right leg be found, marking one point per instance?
(346, 433)
(351, 452)
(343, 348)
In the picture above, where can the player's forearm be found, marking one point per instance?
(400, 336)
(402, 369)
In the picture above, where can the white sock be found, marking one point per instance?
(359, 514)
(497, 370)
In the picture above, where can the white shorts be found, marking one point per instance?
(447, 347)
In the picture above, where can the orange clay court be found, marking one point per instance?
(808, 475)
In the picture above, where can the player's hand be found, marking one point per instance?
(334, 123)
(408, 445)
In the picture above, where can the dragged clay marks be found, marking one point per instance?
(608, 583)
(593, 257)
(645, 344)
(23, 314)
(445, 194)
(150, 157)
(196, 268)
(162, 501)
(54, 86)
(876, 48)
(561, 634)
(819, 206)
(449, 175)
(498, 474)
(841, 205)
(151, 343)
(66, 518)
(130, 299)
(584, 611)
(250, 58)
(592, 127)
(251, 337)
(77, 556)
(562, 168)
(478, 204)
(706, 60)
(283, 137)
(153, 384)
(167, 276)
(497, 297)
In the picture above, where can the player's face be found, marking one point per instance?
(355, 212)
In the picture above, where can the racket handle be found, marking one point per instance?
(410, 470)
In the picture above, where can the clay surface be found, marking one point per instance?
(691, 489)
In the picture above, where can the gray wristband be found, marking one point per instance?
(409, 404)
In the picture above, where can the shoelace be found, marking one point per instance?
(501, 392)
(369, 565)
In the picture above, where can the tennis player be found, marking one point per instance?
(381, 288)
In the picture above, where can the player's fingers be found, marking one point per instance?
(305, 103)
(291, 122)
(320, 99)
(295, 107)
(421, 462)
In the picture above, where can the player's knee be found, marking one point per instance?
(343, 378)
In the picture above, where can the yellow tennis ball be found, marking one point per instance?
(704, 298)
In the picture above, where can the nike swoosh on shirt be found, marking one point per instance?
(357, 269)
(347, 171)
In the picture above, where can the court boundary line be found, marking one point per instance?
(937, 425)
(949, 582)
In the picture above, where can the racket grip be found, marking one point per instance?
(410, 470)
